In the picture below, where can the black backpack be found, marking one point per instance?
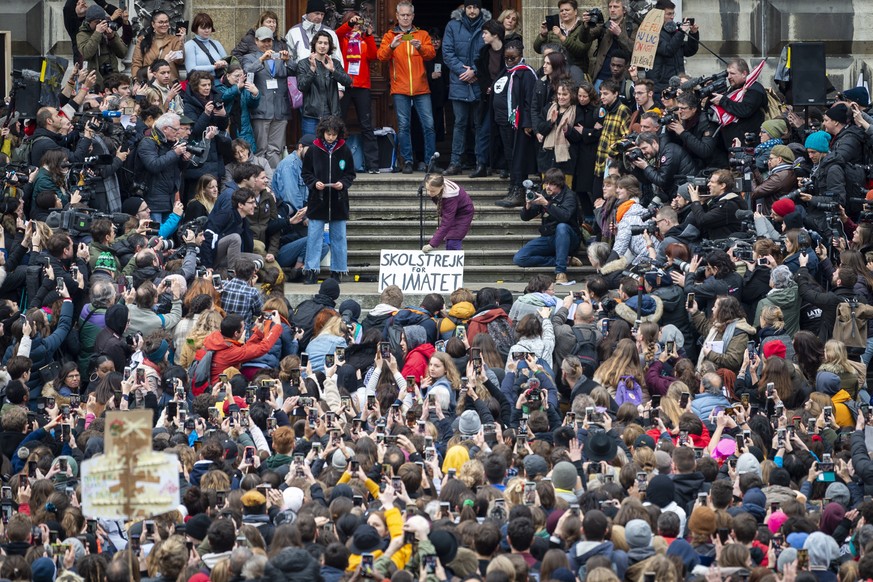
(586, 349)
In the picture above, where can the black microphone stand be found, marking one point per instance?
(427, 173)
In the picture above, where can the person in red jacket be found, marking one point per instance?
(358, 49)
(231, 347)
(418, 352)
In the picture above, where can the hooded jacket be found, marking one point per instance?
(583, 551)
(328, 165)
(673, 308)
(417, 360)
(462, 41)
(459, 314)
(732, 354)
(626, 244)
(321, 88)
(788, 300)
(849, 144)
(455, 214)
(378, 316)
(652, 309)
(320, 346)
(232, 353)
(110, 341)
(100, 51)
(829, 383)
(195, 108)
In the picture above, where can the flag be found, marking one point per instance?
(726, 118)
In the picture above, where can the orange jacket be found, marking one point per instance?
(408, 75)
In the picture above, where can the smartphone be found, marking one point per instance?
(683, 400)
(802, 560)
(371, 401)
(828, 413)
(60, 284)
(723, 534)
(304, 360)
(762, 262)
(461, 332)
(149, 528)
(31, 469)
(385, 350)
(649, 577)
(65, 437)
(689, 303)
(216, 281)
(670, 347)
(642, 480)
(329, 360)
(172, 409)
(702, 497)
(250, 78)
(140, 376)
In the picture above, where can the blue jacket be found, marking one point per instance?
(232, 98)
(286, 346)
(288, 182)
(42, 350)
(462, 42)
(702, 404)
(322, 345)
(792, 261)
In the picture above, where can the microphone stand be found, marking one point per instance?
(709, 50)
(427, 173)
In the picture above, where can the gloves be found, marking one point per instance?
(426, 249)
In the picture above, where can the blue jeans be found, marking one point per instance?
(295, 252)
(338, 247)
(466, 112)
(403, 105)
(549, 251)
(308, 124)
(158, 217)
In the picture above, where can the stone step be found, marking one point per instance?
(410, 241)
(473, 256)
(378, 210)
(409, 227)
(481, 275)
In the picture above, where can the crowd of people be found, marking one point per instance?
(695, 409)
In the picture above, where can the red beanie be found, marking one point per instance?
(783, 207)
(774, 348)
(869, 196)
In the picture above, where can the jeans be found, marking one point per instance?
(338, 247)
(294, 252)
(308, 124)
(868, 353)
(549, 251)
(466, 112)
(402, 107)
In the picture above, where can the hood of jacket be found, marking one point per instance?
(670, 295)
(651, 308)
(459, 14)
(463, 310)
(688, 484)
(382, 309)
(217, 342)
(490, 315)
(786, 297)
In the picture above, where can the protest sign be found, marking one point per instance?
(418, 272)
(646, 43)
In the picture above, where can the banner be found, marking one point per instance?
(646, 43)
(422, 273)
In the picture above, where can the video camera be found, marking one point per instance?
(196, 226)
(649, 227)
(16, 173)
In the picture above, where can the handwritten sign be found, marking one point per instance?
(129, 481)
(418, 272)
(646, 43)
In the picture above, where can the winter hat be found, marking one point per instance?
(470, 423)
(106, 262)
(831, 517)
(663, 462)
(747, 463)
(683, 550)
(554, 517)
(563, 575)
(822, 549)
(775, 128)
(477, 3)
(157, 355)
(644, 440)
(564, 476)
(783, 207)
(775, 520)
(755, 496)
(292, 564)
(838, 113)
(827, 382)
(43, 569)
(330, 288)
(724, 449)
(787, 556)
(415, 336)
(660, 491)
(339, 461)
(341, 490)
(819, 141)
(263, 33)
(95, 12)
(797, 539)
(293, 499)
(253, 498)
(445, 544)
(774, 348)
(197, 526)
(702, 520)
(859, 95)
(315, 6)
(352, 307)
(838, 493)
(638, 533)
(365, 540)
(783, 152)
(131, 205)
(535, 465)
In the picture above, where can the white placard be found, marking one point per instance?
(418, 272)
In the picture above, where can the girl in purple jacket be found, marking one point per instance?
(455, 209)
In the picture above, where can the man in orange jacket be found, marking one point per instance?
(231, 349)
(406, 48)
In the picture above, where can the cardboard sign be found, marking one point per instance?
(421, 273)
(646, 43)
(129, 481)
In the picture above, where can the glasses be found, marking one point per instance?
(161, 22)
(252, 201)
(680, 108)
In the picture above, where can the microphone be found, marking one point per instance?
(527, 184)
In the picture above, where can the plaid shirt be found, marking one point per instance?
(239, 297)
(615, 127)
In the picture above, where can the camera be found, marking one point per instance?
(669, 117)
(635, 154)
(596, 15)
(649, 227)
(743, 254)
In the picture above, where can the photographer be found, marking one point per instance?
(162, 159)
(670, 164)
(615, 34)
(559, 233)
(206, 108)
(63, 254)
(671, 232)
(718, 277)
(843, 280)
(717, 217)
(100, 44)
(51, 133)
(696, 133)
(675, 44)
(103, 192)
(749, 111)
(848, 140)
(781, 178)
(828, 174)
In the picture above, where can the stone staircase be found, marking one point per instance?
(384, 214)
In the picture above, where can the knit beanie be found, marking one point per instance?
(774, 348)
(775, 128)
(819, 141)
(95, 12)
(783, 207)
(838, 113)
(747, 463)
(470, 422)
(106, 262)
(783, 152)
(638, 533)
(564, 476)
(315, 6)
(131, 205)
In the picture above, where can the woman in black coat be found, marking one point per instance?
(586, 134)
(328, 172)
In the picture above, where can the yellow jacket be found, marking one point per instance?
(395, 529)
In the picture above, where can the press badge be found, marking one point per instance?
(272, 84)
(355, 68)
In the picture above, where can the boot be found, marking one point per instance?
(480, 172)
(514, 198)
(336, 276)
(310, 278)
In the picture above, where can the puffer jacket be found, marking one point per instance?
(417, 360)
(456, 214)
(673, 48)
(732, 354)
(462, 41)
(652, 309)
(231, 353)
(626, 244)
(788, 300)
(321, 88)
(243, 100)
(671, 168)
(407, 70)
(286, 346)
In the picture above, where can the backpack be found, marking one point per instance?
(773, 105)
(850, 324)
(586, 349)
(21, 154)
(628, 390)
(200, 371)
(503, 335)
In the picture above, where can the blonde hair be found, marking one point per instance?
(205, 324)
(601, 575)
(624, 361)
(202, 185)
(333, 326)
(772, 316)
(506, 14)
(502, 564)
(451, 370)
(835, 353)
